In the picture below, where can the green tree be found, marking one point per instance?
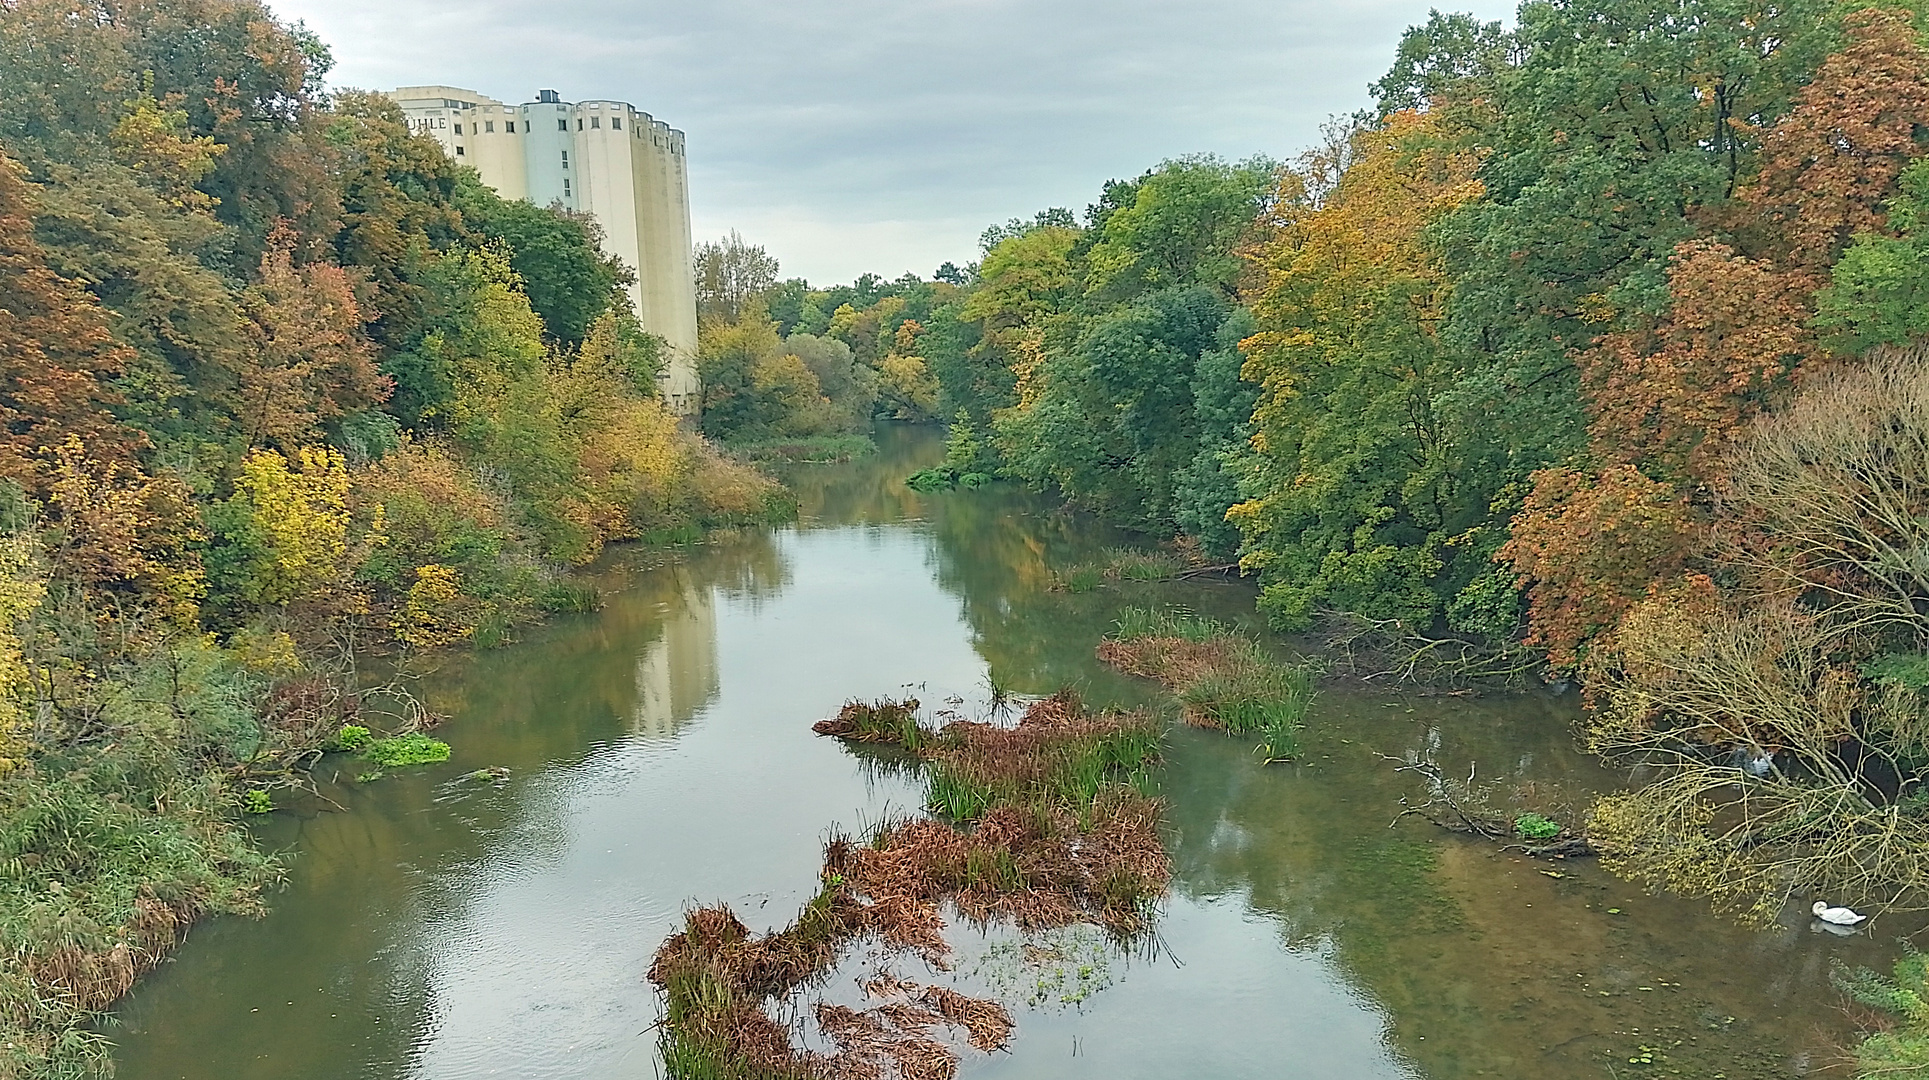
(558, 255)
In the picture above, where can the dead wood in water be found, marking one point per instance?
(1461, 806)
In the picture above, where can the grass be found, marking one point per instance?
(567, 597)
(1135, 623)
(1221, 678)
(1119, 564)
(807, 449)
(106, 856)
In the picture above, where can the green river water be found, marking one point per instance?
(660, 753)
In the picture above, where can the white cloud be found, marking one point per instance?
(880, 135)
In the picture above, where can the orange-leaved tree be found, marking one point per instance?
(1670, 395)
(56, 354)
(310, 362)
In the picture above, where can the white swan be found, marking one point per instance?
(1840, 916)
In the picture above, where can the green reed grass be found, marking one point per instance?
(1143, 622)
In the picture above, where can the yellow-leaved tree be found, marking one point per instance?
(22, 585)
(300, 517)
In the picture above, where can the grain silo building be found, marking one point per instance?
(602, 158)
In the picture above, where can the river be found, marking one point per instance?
(659, 752)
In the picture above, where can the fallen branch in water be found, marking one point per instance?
(1461, 806)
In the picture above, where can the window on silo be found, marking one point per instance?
(489, 127)
(565, 159)
(562, 125)
(458, 129)
(565, 185)
(579, 123)
(458, 151)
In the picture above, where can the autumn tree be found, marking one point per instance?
(56, 353)
(1669, 393)
(311, 363)
(1362, 480)
(1673, 395)
(1830, 165)
(730, 272)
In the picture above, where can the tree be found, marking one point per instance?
(570, 281)
(56, 353)
(1364, 482)
(1450, 57)
(1182, 226)
(1837, 488)
(616, 342)
(1879, 292)
(1614, 130)
(1829, 166)
(1674, 395)
(311, 363)
(1586, 548)
(729, 273)
(398, 210)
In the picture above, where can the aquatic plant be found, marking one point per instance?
(350, 738)
(567, 597)
(1222, 679)
(882, 721)
(1134, 623)
(1044, 825)
(257, 801)
(414, 748)
(806, 449)
(1532, 826)
(1082, 578)
(931, 480)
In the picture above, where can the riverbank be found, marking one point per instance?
(127, 782)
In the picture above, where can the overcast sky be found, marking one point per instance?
(849, 136)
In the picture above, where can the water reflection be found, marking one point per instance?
(677, 672)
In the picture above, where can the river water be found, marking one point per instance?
(660, 753)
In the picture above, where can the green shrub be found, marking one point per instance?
(930, 480)
(257, 801)
(411, 749)
(1533, 826)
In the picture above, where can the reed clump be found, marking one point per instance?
(1223, 679)
(1044, 824)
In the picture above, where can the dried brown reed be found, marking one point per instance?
(1176, 663)
(1043, 852)
(90, 979)
(1173, 661)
